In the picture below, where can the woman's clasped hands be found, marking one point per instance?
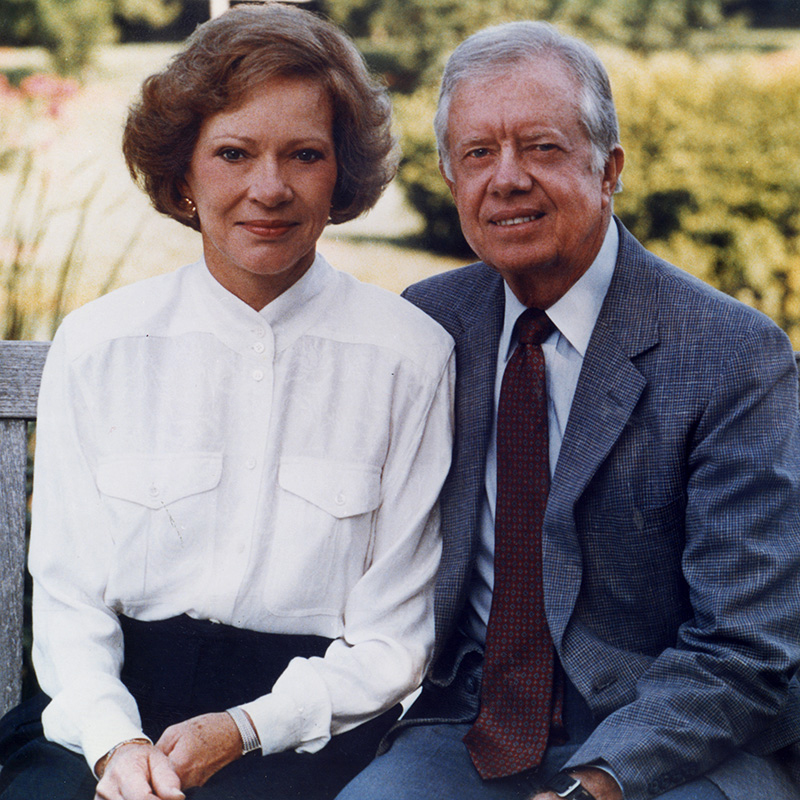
(186, 755)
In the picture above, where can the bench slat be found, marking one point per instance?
(20, 374)
(13, 456)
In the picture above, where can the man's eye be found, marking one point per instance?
(308, 155)
(478, 152)
(231, 154)
(544, 147)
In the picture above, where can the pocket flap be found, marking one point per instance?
(158, 480)
(342, 489)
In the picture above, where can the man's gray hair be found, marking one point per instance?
(493, 49)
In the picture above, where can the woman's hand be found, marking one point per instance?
(138, 771)
(200, 747)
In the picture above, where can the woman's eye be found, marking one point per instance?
(308, 155)
(231, 154)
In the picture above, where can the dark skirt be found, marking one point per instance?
(177, 669)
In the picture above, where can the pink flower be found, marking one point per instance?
(52, 89)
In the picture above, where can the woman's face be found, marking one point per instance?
(262, 176)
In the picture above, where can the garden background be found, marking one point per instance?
(708, 94)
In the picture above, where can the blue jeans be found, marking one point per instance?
(431, 762)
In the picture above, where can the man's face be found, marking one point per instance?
(531, 204)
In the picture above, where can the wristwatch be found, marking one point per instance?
(568, 786)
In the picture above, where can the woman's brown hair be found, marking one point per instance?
(230, 55)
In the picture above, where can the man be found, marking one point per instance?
(632, 629)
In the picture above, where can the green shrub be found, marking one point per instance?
(419, 174)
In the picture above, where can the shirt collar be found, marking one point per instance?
(286, 306)
(576, 313)
(288, 316)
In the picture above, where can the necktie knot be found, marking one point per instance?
(534, 326)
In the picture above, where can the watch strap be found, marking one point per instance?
(568, 787)
(250, 740)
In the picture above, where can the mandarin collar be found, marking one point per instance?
(288, 315)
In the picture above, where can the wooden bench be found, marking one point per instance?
(20, 374)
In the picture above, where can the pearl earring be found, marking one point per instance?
(189, 206)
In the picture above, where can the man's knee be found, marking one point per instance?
(386, 778)
(422, 764)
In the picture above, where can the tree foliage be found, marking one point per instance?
(408, 40)
(71, 29)
(712, 180)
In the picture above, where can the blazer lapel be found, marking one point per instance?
(476, 364)
(608, 390)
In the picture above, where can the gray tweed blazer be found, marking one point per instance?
(671, 539)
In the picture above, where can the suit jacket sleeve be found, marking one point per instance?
(725, 679)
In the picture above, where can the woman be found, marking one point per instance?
(237, 463)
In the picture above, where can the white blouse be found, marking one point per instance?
(276, 471)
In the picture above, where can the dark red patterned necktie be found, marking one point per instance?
(518, 702)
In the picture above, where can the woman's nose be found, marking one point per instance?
(268, 184)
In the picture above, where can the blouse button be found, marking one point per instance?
(258, 347)
(258, 375)
(250, 463)
(154, 491)
(340, 499)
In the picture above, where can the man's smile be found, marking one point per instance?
(504, 223)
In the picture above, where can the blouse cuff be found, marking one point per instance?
(98, 741)
(296, 714)
(112, 720)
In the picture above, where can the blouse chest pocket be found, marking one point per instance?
(322, 534)
(158, 481)
(343, 490)
(159, 508)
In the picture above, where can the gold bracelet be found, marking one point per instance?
(102, 762)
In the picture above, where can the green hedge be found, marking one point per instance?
(712, 172)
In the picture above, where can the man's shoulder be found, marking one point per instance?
(456, 297)
(675, 298)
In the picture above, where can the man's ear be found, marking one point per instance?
(612, 171)
(450, 185)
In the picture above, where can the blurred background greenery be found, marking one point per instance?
(708, 94)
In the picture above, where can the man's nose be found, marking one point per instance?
(510, 174)
(268, 184)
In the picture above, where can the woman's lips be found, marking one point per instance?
(268, 228)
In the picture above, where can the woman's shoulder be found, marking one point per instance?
(377, 316)
(134, 309)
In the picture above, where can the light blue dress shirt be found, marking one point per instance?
(574, 317)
